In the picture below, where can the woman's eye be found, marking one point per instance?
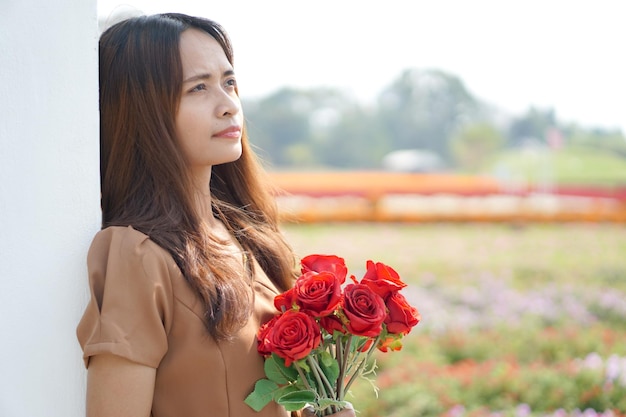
(197, 88)
(231, 82)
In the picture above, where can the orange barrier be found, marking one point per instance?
(405, 197)
(367, 183)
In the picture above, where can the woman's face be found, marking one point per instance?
(209, 119)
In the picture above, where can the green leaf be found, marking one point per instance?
(263, 393)
(324, 403)
(286, 390)
(325, 358)
(302, 364)
(276, 370)
(329, 366)
(338, 337)
(296, 400)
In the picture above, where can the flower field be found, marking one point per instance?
(517, 320)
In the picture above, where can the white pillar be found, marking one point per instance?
(49, 200)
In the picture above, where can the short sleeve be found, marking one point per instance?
(130, 310)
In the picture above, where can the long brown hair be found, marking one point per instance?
(145, 181)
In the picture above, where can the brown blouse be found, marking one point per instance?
(142, 309)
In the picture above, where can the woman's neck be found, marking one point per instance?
(202, 196)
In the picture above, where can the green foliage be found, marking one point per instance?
(263, 393)
(276, 370)
(296, 400)
(495, 371)
(474, 144)
(284, 123)
(531, 125)
(325, 127)
(283, 385)
(427, 110)
(423, 109)
(319, 380)
(356, 140)
(329, 366)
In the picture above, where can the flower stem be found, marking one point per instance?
(320, 378)
(320, 375)
(356, 373)
(339, 352)
(303, 377)
(361, 365)
(345, 354)
(312, 363)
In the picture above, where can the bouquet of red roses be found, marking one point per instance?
(324, 335)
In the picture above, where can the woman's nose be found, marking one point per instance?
(229, 105)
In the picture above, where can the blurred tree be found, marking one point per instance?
(288, 125)
(422, 110)
(474, 144)
(356, 140)
(532, 125)
(278, 121)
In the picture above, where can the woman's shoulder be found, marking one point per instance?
(127, 245)
(132, 297)
(125, 238)
(126, 235)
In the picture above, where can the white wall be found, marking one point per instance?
(49, 200)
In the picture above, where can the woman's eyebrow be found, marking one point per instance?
(207, 75)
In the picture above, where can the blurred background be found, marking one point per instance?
(497, 110)
(476, 147)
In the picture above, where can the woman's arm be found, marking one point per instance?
(117, 387)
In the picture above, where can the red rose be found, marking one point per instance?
(264, 345)
(325, 263)
(317, 293)
(332, 323)
(293, 336)
(364, 309)
(382, 279)
(402, 316)
(285, 300)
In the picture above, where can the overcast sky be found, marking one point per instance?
(566, 55)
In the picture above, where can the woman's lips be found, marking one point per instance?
(233, 132)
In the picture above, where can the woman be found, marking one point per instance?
(189, 258)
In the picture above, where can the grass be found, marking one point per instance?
(571, 165)
(529, 255)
